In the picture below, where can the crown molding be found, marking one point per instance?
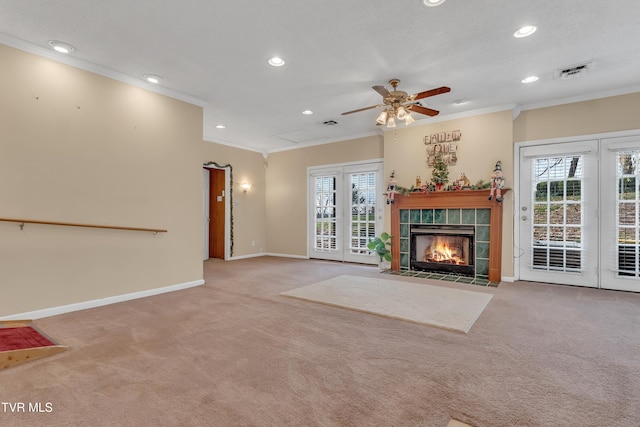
(326, 141)
(581, 98)
(232, 144)
(96, 69)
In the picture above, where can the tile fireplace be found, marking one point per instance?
(457, 232)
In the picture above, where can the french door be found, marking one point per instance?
(345, 211)
(558, 213)
(578, 213)
(620, 225)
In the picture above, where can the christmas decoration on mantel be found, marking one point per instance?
(440, 173)
(391, 188)
(461, 184)
(497, 182)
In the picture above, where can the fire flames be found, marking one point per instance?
(441, 251)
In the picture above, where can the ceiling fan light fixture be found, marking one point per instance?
(398, 104)
(401, 114)
(432, 3)
(409, 119)
(391, 123)
(382, 118)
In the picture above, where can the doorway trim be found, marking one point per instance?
(379, 162)
(518, 251)
(228, 206)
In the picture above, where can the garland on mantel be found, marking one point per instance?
(230, 191)
(430, 187)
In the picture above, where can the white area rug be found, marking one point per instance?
(447, 308)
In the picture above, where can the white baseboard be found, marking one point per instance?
(508, 279)
(233, 258)
(287, 255)
(54, 311)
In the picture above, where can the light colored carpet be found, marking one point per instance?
(447, 308)
(234, 352)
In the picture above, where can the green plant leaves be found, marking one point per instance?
(380, 245)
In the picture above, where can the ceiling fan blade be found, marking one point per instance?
(362, 109)
(382, 91)
(423, 110)
(432, 92)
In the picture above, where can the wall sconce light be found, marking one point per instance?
(245, 186)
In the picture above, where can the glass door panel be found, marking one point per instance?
(345, 211)
(559, 189)
(620, 210)
(325, 241)
(363, 218)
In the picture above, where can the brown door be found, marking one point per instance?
(217, 195)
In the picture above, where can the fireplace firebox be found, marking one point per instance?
(443, 249)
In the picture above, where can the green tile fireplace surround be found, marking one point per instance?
(479, 218)
(470, 208)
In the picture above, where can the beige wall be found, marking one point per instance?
(485, 139)
(249, 216)
(602, 115)
(77, 147)
(286, 195)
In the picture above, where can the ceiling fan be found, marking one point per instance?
(399, 104)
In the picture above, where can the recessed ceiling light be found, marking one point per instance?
(432, 2)
(153, 78)
(220, 127)
(525, 31)
(61, 47)
(276, 61)
(461, 101)
(307, 112)
(530, 79)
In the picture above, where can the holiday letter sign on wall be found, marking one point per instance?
(440, 145)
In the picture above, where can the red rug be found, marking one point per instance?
(22, 338)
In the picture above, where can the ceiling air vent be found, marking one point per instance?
(572, 71)
(330, 123)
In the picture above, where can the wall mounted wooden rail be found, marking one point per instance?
(22, 222)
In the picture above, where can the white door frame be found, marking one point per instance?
(311, 170)
(611, 279)
(206, 209)
(370, 258)
(517, 170)
(589, 235)
(227, 210)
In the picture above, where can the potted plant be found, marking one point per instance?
(381, 246)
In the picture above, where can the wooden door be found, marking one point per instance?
(217, 194)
